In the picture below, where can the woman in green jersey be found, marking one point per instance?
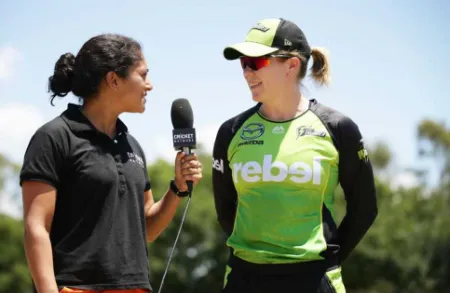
(276, 167)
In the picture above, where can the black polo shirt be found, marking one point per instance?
(98, 233)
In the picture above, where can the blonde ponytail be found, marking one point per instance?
(320, 69)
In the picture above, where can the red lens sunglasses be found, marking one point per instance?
(256, 63)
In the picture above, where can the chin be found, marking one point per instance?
(257, 98)
(138, 109)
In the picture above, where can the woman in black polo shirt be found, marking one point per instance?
(88, 205)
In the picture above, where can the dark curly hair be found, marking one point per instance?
(101, 54)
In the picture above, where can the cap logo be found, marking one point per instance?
(287, 42)
(260, 27)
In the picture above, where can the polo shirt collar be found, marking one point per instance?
(78, 123)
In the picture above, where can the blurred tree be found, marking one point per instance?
(380, 155)
(8, 170)
(407, 249)
(434, 137)
(198, 263)
(435, 143)
(14, 275)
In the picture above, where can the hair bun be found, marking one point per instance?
(61, 81)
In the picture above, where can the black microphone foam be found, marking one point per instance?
(183, 133)
(181, 114)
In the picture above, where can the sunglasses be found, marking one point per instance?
(256, 63)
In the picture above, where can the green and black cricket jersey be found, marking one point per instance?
(274, 185)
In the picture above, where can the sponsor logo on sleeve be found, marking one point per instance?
(362, 152)
(218, 165)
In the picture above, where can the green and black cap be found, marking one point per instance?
(268, 36)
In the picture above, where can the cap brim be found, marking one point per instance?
(249, 49)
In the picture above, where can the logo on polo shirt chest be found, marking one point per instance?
(136, 159)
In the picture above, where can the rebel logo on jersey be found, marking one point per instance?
(278, 171)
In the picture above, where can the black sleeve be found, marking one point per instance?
(44, 158)
(357, 181)
(225, 195)
(148, 183)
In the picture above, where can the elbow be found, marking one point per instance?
(365, 215)
(226, 225)
(151, 237)
(373, 214)
(35, 233)
(153, 232)
(371, 211)
(370, 215)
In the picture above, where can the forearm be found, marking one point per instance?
(358, 183)
(160, 214)
(226, 217)
(40, 260)
(227, 225)
(352, 229)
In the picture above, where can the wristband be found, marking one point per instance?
(175, 189)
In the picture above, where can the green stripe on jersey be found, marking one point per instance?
(284, 174)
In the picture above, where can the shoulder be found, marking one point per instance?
(55, 130)
(331, 115)
(48, 145)
(231, 125)
(132, 139)
(343, 129)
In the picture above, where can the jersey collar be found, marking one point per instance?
(78, 123)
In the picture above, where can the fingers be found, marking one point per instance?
(188, 167)
(180, 156)
(191, 171)
(194, 178)
(191, 168)
(191, 165)
(186, 158)
(188, 161)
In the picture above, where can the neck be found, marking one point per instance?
(101, 114)
(285, 107)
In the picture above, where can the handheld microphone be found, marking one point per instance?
(183, 133)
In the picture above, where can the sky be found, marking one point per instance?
(389, 63)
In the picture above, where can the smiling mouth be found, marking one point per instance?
(254, 85)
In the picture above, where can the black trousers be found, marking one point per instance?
(312, 277)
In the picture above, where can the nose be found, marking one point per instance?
(248, 72)
(148, 86)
